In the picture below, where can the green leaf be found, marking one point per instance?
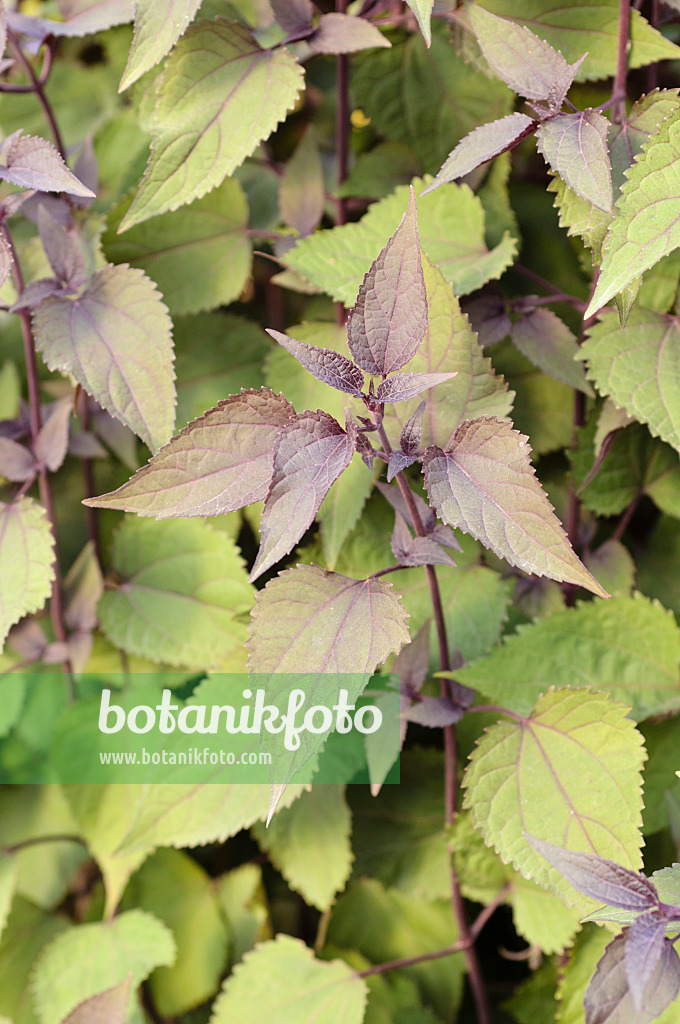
(587, 27)
(115, 339)
(627, 138)
(656, 564)
(580, 217)
(638, 366)
(26, 561)
(219, 96)
(575, 146)
(299, 989)
(542, 919)
(549, 344)
(342, 507)
(484, 483)
(218, 463)
(158, 26)
(309, 843)
(574, 981)
(628, 646)
(570, 774)
(451, 229)
(89, 959)
(243, 904)
(28, 931)
(176, 890)
(301, 196)
(612, 564)
(662, 741)
(423, 10)
(645, 225)
(450, 345)
(183, 588)
(210, 236)
(8, 880)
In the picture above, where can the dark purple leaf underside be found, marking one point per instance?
(388, 322)
(343, 33)
(403, 386)
(434, 712)
(396, 500)
(482, 144)
(575, 146)
(599, 878)
(413, 661)
(292, 15)
(325, 364)
(608, 999)
(416, 551)
(398, 461)
(310, 454)
(645, 942)
(412, 432)
(16, 462)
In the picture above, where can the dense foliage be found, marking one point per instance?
(343, 339)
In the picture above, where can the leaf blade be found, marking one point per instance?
(482, 144)
(26, 561)
(575, 146)
(158, 26)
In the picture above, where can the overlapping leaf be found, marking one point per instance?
(115, 339)
(575, 146)
(627, 138)
(345, 33)
(646, 226)
(608, 999)
(600, 879)
(311, 620)
(422, 10)
(484, 484)
(32, 162)
(26, 561)
(218, 463)
(570, 774)
(388, 321)
(403, 386)
(220, 95)
(107, 1007)
(628, 646)
(481, 145)
(310, 453)
(547, 341)
(328, 366)
(158, 26)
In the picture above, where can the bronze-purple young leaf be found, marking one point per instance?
(328, 366)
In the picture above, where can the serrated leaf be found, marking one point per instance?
(397, 462)
(28, 931)
(51, 443)
(61, 247)
(451, 345)
(411, 435)
(580, 217)
(412, 551)
(423, 10)
(387, 323)
(31, 162)
(540, 918)
(107, 1007)
(328, 366)
(210, 236)
(301, 194)
(26, 561)
(158, 26)
(309, 843)
(310, 453)
(183, 589)
(627, 138)
(547, 341)
(645, 942)
(575, 146)
(485, 484)
(299, 988)
(344, 33)
(598, 878)
(608, 999)
(87, 960)
(115, 339)
(451, 230)
(218, 463)
(645, 225)
(311, 620)
(403, 386)
(482, 144)
(629, 646)
(528, 64)
(638, 367)
(219, 96)
(587, 26)
(569, 773)
(16, 461)
(175, 889)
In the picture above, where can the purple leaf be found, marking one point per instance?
(31, 162)
(365, 449)
(51, 444)
(482, 144)
(434, 712)
(343, 33)
(575, 146)
(80, 20)
(83, 586)
(413, 551)
(115, 338)
(412, 431)
(645, 940)
(444, 535)
(397, 462)
(599, 878)
(388, 322)
(62, 250)
(218, 463)
(403, 386)
(325, 364)
(310, 454)
(528, 64)
(396, 500)
(292, 15)
(608, 999)
(16, 462)
(488, 317)
(413, 661)
(549, 344)
(36, 292)
(5, 259)
(484, 483)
